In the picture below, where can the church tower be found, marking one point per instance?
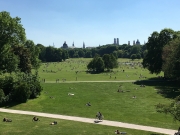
(134, 42)
(65, 45)
(114, 41)
(117, 41)
(83, 45)
(137, 42)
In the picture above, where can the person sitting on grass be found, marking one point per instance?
(88, 104)
(99, 116)
(35, 119)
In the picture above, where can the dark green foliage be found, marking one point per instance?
(110, 61)
(42, 52)
(173, 108)
(98, 64)
(65, 55)
(133, 56)
(35, 62)
(88, 54)
(2, 96)
(11, 31)
(81, 53)
(32, 82)
(153, 59)
(17, 57)
(136, 49)
(21, 92)
(20, 87)
(24, 55)
(7, 84)
(47, 54)
(51, 54)
(171, 58)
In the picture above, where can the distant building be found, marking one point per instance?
(134, 42)
(117, 41)
(128, 42)
(137, 42)
(84, 45)
(114, 41)
(72, 47)
(65, 46)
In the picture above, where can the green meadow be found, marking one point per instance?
(23, 125)
(103, 96)
(73, 69)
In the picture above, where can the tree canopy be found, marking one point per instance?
(98, 64)
(17, 56)
(153, 59)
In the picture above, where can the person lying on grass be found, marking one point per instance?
(54, 123)
(7, 120)
(118, 132)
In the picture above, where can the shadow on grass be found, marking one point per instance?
(99, 72)
(167, 88)
(9, 105)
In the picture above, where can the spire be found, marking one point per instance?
(83, 44)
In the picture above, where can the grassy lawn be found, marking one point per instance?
(116, 106)
(68, 70)
(23, 125)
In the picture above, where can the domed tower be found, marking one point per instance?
(137, 42)
(65, 45)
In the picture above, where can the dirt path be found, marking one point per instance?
(89, 120)
(101, 81)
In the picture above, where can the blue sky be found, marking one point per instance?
(95, 22)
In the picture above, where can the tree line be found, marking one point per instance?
(52, 54)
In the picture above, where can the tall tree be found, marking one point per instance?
(153, 59)
(65, 55)
(171, 58)
(24, 58)
(42, 52)
(11, 33)
(110, 61)
(35, 62)
(96, 64)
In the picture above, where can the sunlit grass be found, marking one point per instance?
(23, 125)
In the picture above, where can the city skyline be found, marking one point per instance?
(93, 22)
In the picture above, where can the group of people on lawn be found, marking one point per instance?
(33, 119)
